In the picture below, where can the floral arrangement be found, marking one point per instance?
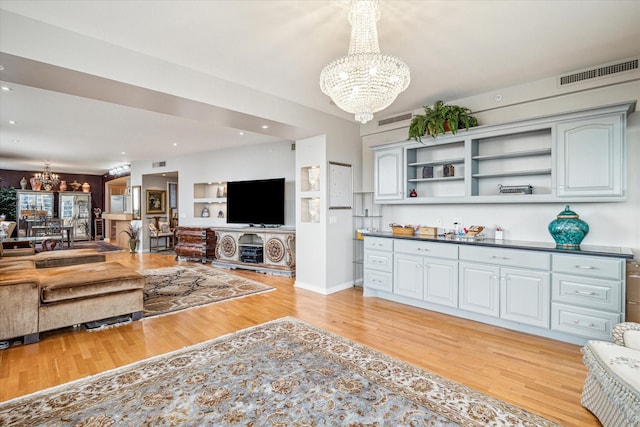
(97, 212)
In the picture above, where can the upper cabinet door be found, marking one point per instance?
(389, 167)
(590, 156)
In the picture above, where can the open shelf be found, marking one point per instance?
(513, 173)
(438, 162)
(514, 154)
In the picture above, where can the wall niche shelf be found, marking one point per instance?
(212, 196)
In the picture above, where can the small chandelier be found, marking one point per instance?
(120, 170)
(365, 81)
(47, 179)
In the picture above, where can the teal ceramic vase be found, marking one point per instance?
(568, 229)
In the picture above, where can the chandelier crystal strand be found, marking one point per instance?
(365, 81)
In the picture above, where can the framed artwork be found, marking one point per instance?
(156, 201)
(136, 202)
(340, 186)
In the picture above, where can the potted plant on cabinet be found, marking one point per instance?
(133, 231)
(439, 119)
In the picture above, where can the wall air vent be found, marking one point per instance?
(599, 71)
(395, 119)
(158, 164)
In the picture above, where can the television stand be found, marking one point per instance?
(269, 250)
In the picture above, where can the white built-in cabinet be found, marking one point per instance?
(578, 156)
(566, 297)
(426, 271)
(506, 283)
(479, 288)
(389, 173)
(590, 155)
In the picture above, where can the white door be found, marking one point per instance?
(590, 157)
(479, 288)
(441, 282)
(408, 275)
(388, 173)
(525, 296)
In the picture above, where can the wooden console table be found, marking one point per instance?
(266, 250)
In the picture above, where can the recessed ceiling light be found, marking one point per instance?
(1, 67)
(175, 144)
(17, 141)
(5, 88)
(122, 152)
(12, 122)
(240, 133)
(265, 127)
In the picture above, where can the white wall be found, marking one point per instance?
(611, 224)
(264, 161)
(311, 238)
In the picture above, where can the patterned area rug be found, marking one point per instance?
(180, 287)
(281, 373)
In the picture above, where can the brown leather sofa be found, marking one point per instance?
(34, 300)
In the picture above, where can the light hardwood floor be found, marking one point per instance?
(538, 374)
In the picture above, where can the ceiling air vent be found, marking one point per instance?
(395, 119)
(599, 71)
(158, 164)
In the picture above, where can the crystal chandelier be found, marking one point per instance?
(365, 81)
(47, 179)
(120, 170)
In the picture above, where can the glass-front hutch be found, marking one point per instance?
(31, 205)
(75, 210)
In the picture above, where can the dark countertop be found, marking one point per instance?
(607, 251)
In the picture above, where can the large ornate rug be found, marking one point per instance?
(281, 373)
(180, 287)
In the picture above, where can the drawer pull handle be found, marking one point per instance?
(421, 249)
(499, 257)
(634, 276)
(586, 267)
(632, 303)
(579, 323)
(584, 292)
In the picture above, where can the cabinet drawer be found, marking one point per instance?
(378, 243)
(378, 280)
(591, 293)
(607, 268)
(588, 323)
(508, 257)
(416, 247)
(376, 260)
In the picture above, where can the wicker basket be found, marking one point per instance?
(402, 231)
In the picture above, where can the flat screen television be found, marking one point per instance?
(256, 202)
